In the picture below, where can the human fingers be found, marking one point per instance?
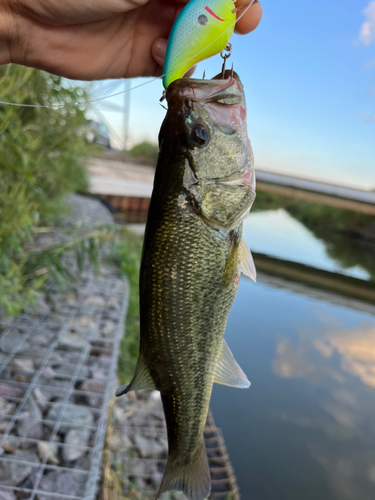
(159, 49)
(57, 13)
(250, 20)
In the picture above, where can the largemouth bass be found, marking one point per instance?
(192, 259)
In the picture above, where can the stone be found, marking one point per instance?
(52, 450)
(148, 447)
(11, 444)
(6, 407)
(7, 495)
(3, 426)
(43, 395)
(155, 396)
(12, 473)
(75, 439)
(83, 463)
(11, 342)
(40, 306)
(66, 370)
(96, 300)
(10, 391)
(108, 329)
(30, 426)
(63, 482)
(113, 303)
(41, 340)
(139, 467)
(23, 365)
(84, 321)
(73, 415)
(163, 445)
(3, 357)
(93, 386)
(70, 341)
(48, 373)
(6, 321)
(118, 440)
(85, 331)
(98, 374)
(88, 210)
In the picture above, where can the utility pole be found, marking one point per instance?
(126, 112)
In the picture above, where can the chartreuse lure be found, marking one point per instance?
(202, 29)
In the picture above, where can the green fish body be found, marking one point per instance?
(202, 29)
(193, 255)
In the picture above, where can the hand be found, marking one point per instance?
(94, 39)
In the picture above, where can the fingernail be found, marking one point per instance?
(159, 50)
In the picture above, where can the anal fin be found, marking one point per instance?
(247, 261)
(141, 379)
(229, 372)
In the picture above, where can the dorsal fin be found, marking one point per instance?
(229, 372)
(247, 261)
(141, 379)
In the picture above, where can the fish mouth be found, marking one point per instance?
(247, 179)
(206, 90)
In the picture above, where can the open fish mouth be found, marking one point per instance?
(221, 98)
(224, 89)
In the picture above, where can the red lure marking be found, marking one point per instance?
(213, 13)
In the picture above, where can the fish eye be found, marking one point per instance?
(203, 20)
(200, 135)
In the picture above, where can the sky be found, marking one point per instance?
(309, 77)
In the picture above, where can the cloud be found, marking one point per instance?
(367, 31)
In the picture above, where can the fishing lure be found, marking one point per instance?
(202, 29)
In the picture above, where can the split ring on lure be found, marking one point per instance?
(200, 24)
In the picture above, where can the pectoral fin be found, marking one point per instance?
(228, 371)
(247, 262)
(141, 380)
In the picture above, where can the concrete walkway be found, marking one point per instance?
(109, 177)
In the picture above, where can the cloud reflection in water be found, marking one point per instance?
(341, 362)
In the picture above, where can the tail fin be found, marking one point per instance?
(192, 479)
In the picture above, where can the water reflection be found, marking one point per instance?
(356, 349)
(306, 428)
(277, 233)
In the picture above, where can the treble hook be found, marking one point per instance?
(228, 49)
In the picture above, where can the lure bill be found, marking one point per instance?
(193, 256)
(202, 29)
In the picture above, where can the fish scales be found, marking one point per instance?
(203, 188)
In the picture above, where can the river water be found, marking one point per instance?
(305, 430)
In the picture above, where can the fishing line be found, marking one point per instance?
(90, 101)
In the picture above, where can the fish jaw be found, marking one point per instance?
(192, 40)
(219, 174)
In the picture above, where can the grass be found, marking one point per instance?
(41, 153)
(128, 256)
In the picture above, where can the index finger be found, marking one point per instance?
(250, 20)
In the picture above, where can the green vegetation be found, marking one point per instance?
(128, 256)
(343, 231)
(41, 154)
(145, 150)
